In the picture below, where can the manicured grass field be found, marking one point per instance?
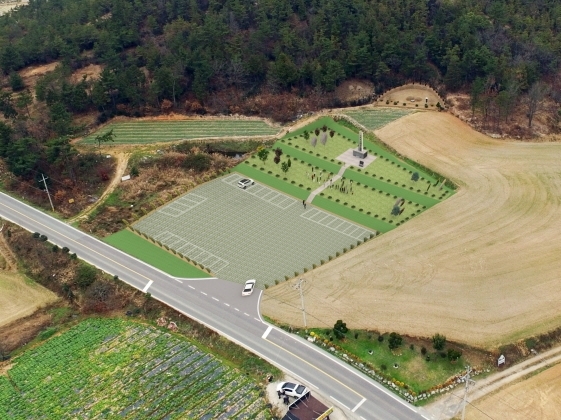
(146, 251)
(107, 368)
(373, 119)
(375, 189)
(138, 132)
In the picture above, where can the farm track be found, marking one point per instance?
(6, 252)
(480, 267)
(122, 162)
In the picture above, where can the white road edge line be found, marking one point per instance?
(147, 286)
(358, 405)
(339, 402)
(353, 371)
(267, 331)
(258, 305)
(191, 287)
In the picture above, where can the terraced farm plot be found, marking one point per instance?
(257, 233)
(374, 119)
(105, 368)
(139, 132)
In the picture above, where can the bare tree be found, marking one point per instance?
(534, 101)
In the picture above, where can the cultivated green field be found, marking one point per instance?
(146, 251)
(374, 119)
(139, 132)
(110, 369)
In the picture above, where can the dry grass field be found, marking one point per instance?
(20, 297)
(482, 267)
(536, 398)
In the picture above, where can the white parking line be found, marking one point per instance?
(267, 331)
(339, 402)
(215, 299)
(358, 405)
(147, 286)
(204, 293)
(192, 287)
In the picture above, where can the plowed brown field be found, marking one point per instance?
(483, 267)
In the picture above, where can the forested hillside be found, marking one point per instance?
(265, 57)
(165, 49)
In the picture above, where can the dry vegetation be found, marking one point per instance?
(534, 398)
(161, 177)
(481, 267)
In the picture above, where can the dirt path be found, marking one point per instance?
(7, 254)
(450, 404)
(481, 267)
(122, 162)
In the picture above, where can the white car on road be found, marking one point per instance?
(292, 390)
(245, 182)
(248, 288)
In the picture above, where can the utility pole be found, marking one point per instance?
(468, 381)
(47, 189)
(298, 286)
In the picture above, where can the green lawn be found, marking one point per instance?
(373, 119)
(376, 188)
(146, 251)
(413, 368)
(138, 132)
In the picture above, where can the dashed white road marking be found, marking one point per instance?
(227, 304)
(147, 286)
(258, 320)
(267, 331)
(192, 287)
(237, 309)
(204, 293)
(246, 314)
(215, 299)
(358, 405)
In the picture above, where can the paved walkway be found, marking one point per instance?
(450, 404)
(327, 183)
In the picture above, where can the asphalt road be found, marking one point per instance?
(218, 304)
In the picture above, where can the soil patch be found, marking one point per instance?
(91, 71)
(22, 331)
(413, 95)
(480, 267)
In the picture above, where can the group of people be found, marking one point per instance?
(284, 397)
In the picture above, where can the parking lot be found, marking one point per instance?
(257, 233)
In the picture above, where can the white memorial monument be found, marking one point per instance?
(360, 152)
